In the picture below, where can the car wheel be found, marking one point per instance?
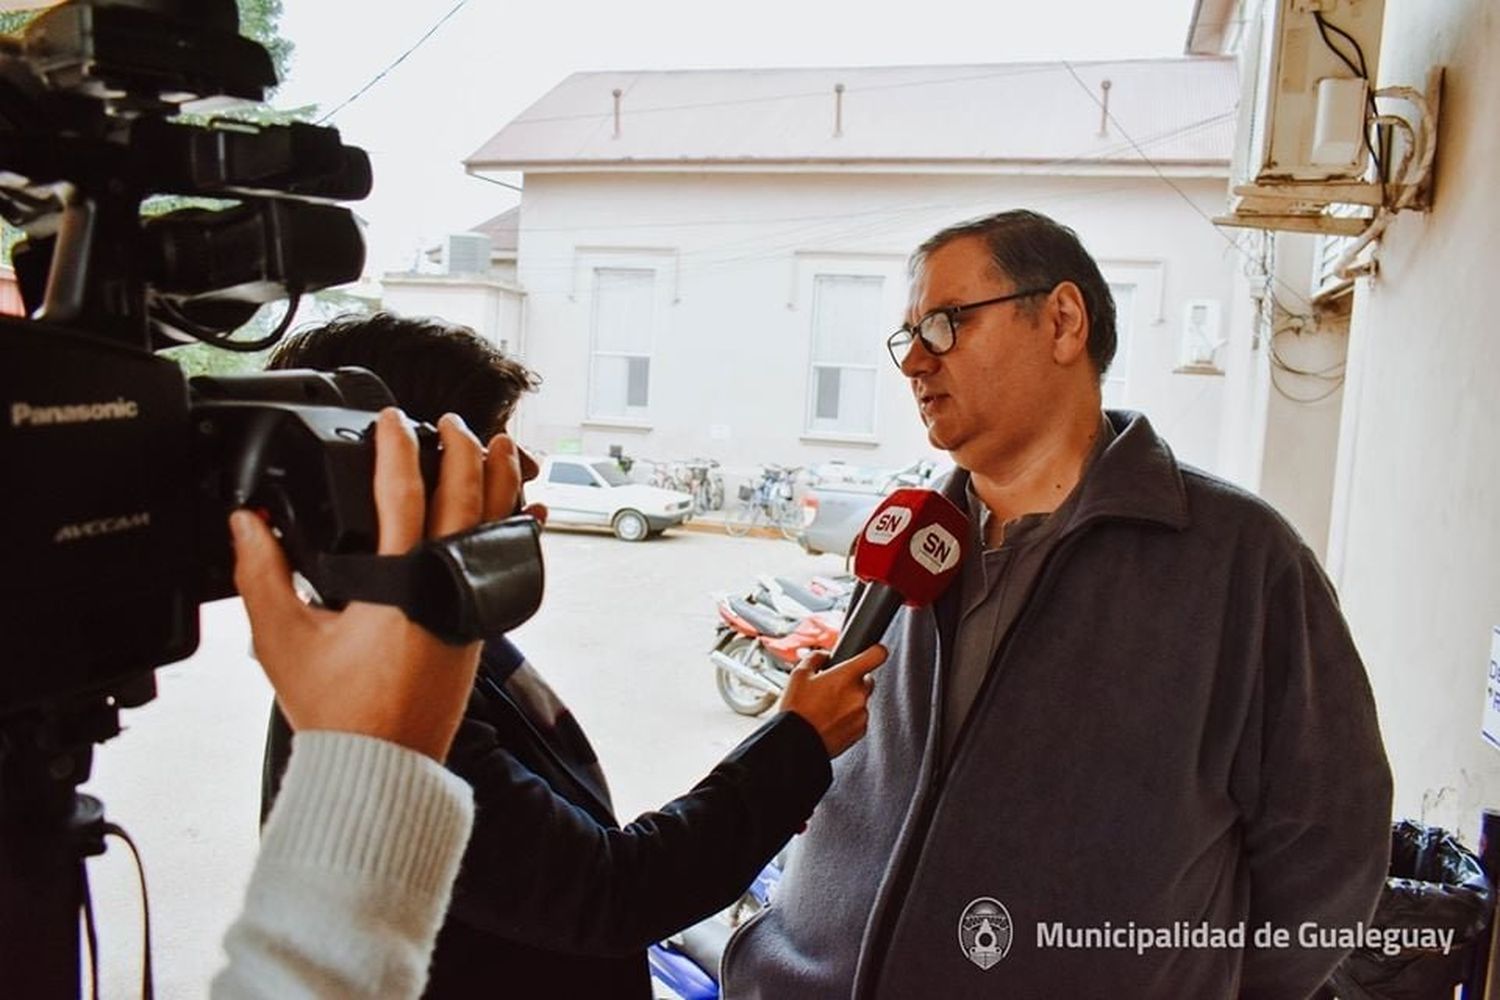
(746, 699)
(631, 526)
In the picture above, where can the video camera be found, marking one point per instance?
(120, 474)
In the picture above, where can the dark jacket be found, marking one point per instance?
(554, 897)
(1176, 729)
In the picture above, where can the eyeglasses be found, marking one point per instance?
(938, 330)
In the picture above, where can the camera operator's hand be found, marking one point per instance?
(834, 700)
(369, 669)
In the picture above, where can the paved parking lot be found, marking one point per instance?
(623, 636)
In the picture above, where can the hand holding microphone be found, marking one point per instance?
(833, 700)
(908, 553)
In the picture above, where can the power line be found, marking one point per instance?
(1101, 155)
(396, 62)
(1168, 181)
(825, 227)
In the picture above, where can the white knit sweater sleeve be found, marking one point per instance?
(354, 873)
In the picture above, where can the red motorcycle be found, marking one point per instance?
(757, 646)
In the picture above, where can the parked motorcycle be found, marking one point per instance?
(795, 600)
(687, 963)
(757, 644)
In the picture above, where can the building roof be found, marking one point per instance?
(502, 231)
(1177, 111)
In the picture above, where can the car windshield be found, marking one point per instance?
(611, 474)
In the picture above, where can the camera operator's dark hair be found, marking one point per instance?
(432, 367)
(1034, 251)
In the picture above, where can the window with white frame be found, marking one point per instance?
(1116, 386)
(620, 363)
(846, 343)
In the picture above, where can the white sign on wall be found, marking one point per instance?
(1491, 729)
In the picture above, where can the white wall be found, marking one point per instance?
(1415, 541)
(1281, 427)
(736, 252)
(1242, 412)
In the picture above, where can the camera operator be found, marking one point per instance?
(554, 891)
(127, 471)
(360, 853)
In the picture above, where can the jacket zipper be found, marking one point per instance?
(880, 939)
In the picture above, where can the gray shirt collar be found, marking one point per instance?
(1028, 528)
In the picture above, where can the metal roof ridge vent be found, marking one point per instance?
(618, 93)
(1104, 86)
(838, 110)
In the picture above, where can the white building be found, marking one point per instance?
(711, 260)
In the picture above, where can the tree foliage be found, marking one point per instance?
(12, 21)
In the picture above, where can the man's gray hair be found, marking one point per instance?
(1034, 251)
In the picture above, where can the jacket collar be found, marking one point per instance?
(1135, 479)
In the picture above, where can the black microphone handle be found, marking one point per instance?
(866, 621)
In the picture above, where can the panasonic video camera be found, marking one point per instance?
(118, 475)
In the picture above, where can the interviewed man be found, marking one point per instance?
(1139, 708)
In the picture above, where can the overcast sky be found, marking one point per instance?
(492, 59)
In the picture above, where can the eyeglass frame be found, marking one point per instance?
(913, 330)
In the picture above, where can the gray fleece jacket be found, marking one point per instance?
(1177, 733)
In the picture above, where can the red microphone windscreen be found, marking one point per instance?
(913, 543)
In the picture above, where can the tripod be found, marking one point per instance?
(47, 829)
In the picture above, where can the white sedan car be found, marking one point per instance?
(582, 490)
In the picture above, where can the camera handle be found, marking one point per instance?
(47, 830)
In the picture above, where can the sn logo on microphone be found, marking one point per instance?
(935, 548)
(891, 523)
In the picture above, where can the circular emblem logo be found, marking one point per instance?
(887, 524)
(985, 932)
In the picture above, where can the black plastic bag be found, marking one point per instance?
(1434, 883)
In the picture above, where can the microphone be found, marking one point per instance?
(908, 553)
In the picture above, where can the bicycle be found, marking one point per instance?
(770, 501)
(662, 475)
(698, 477)
(701, 478)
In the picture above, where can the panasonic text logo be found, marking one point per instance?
(935, 548)
(887, 524)
(102, 526)
(26, 415)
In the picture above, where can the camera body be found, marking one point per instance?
(122, 475)
(95, 512)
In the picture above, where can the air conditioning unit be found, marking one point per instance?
(466, 253)
(1300, 142)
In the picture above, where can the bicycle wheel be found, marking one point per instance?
(788, 517)
(742, 519)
